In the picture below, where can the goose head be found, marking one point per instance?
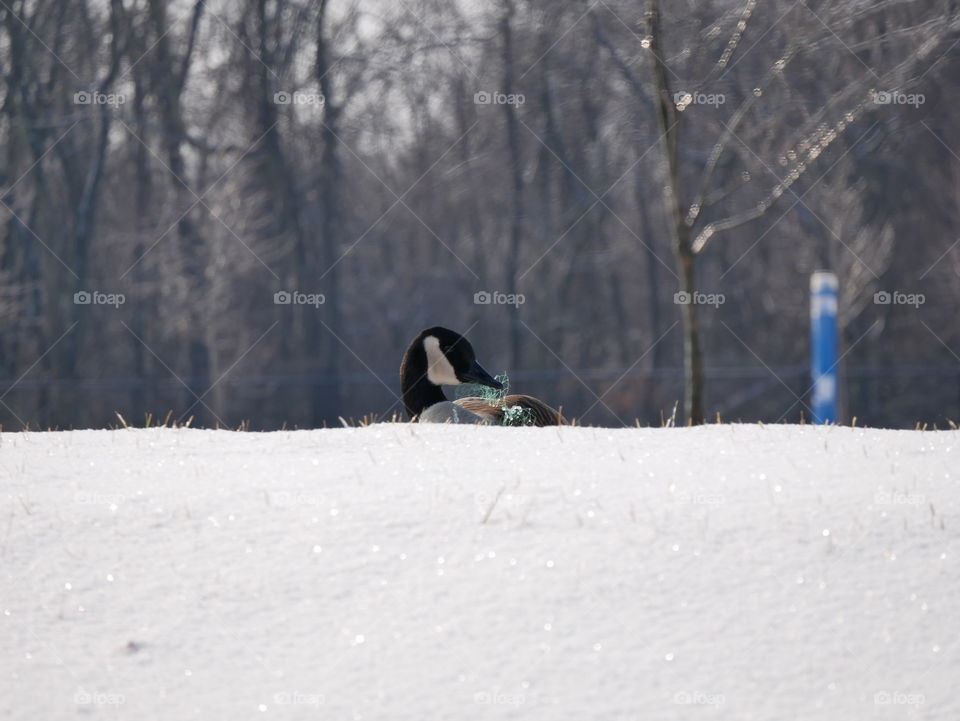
(438, 357)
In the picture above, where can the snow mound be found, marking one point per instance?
(454, 572)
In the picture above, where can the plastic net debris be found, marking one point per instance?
(514, 415)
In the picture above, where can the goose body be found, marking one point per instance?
(441, 357)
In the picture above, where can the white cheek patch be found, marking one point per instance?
(439, 370)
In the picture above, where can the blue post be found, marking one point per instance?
(824, 360)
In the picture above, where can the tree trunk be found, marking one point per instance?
(692, 353)
(143, 397)
(516, 166)
(169, 82)
(686, 257)
(326, 402)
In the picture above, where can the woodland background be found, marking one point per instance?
(198, 158)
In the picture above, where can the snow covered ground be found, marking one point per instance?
(454, 572)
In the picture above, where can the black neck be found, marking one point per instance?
(417, 390)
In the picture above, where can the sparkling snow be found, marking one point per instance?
(453, 572)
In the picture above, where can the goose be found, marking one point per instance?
(442, 357)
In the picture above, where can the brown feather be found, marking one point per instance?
(543, 415)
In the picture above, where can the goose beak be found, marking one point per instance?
(476, 374)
